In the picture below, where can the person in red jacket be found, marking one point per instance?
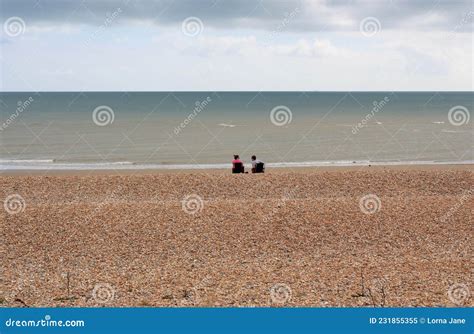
(237, 165)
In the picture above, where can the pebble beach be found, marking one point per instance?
(313, 237)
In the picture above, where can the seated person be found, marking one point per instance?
(258, 166)
(237, 165)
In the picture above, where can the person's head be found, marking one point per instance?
(254, 157)
(236, 156)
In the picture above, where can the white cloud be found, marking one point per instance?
(133, 54)
(305, 48)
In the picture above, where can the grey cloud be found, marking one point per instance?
(312, 15)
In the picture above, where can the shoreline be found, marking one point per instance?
(296, 169)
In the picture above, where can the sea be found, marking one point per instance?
(191, 130)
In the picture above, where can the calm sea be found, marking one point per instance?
(99, 130)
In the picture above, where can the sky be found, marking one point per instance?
(236, 45)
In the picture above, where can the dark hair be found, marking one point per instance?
(254, 157)
(236, 156)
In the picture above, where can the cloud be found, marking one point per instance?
(313, 15)
(304, 48)
(210, 46)
(245, 45)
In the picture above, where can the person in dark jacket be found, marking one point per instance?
(258, 166)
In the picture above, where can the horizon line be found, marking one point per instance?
(238, 91)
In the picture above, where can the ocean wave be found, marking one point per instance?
(26, 161)
(451, 131)
(127, 165)
(56, 162)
